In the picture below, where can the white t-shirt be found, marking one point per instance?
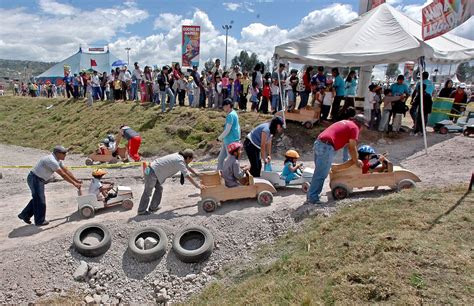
(138, 74)
(94, 188)
(328, 98)
(46, 166)
(95, 80)
(369, 100)
(166, 166)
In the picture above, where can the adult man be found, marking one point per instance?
(319, 79)
(217, 70)
(197, 80)
(234, 72)
(283, 75)
(334, 138)
(126, 79)
(134, 141)
(136, 80)
(339, 86)
(163, 81)
(231, 131)
(399, 89)
(68, 82)
(95, 82)
(156, 174)
(415, 110)
(460, 97)
(38, 177)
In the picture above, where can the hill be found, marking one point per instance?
(16, 69)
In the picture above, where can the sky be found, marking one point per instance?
(51, 30)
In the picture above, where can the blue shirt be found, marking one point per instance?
(287, 174)
(399, 89)
(339, 86)
(234, 135)
(256, 134)
(427, 85)
(67, 79)
(318, 79)
(351, 87)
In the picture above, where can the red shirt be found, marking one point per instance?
(338, 134)
(266, 91)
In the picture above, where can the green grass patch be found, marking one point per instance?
(29, 122)
(406, 248)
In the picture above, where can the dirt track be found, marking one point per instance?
(449, 161)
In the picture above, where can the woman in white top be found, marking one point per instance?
(327, 100)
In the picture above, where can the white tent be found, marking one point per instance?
(82, 60)
(382, 35)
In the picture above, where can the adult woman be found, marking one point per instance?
(257, 78)
(176, 76)
(350, 87)
(149, 83)
(307, 87)
(447, 90)
(258, 144)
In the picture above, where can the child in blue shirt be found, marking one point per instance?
(291, 171)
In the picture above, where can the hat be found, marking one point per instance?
(359, 119)
(195, 66)
(234, 146)
(98, 172)
(227, 101)
(190, 78)
(60, 149)
(462, 85)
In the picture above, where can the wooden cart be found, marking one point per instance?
(107, 157)
(342, 182)
(216, 192)
(307, 116)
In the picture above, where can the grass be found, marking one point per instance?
(28, 122)
(405, 248)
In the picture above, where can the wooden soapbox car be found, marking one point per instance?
(108, 157)
(87, 204)
(274, 177)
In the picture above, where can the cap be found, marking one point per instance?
(359, 119)
(227, 101)
(462, 85)
(60, 149)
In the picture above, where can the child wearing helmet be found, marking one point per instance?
(371, 161)
(291, 170)
(99, 188)
(232, 172)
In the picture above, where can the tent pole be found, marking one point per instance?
(422, 107)
(283, 104)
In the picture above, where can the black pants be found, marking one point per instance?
(325, 111)
(264, 105)
(243, 102)
(336, 105)
(181, 96)
(69, 91)
(253, 153)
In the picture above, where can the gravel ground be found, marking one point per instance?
(38, 263)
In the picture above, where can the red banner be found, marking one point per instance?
(190, 45)
(376, 3)
(441, 16)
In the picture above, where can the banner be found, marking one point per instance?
(408, 71)
(190, 45)
(442, 16)
(367, 5)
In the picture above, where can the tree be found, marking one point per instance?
(465, 72)
(246, 62)
(209, 65)
(392, 70)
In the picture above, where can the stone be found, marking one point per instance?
(382, 141)
(92, 239)
(140, 243)
(97, 298)
(190, 277)
(160, 298)
(93, 271)
(150, 243)
(163, 291)
(81, 271)
(89, 299)
(104, 298)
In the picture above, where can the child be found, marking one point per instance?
(218, 94)
(291, 171)
(104, 146)
(366, 154)
(327, 100)
(225, 85)
(319, 97)
(275, 90)
(232, 172)
(293, 83)
(254, 96)
(387, 101)
(245, 81)
(191, 86)
(156, 93)
(98, 188)
(117, 89)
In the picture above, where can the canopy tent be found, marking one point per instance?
(97, 60)
(382, 35)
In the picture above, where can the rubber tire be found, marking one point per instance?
(95, 250)
(209, 205)
(466, 133)
(89, 162)
(443, 130)
(265, 198)
(199, 254)
(152, 254)
(85, 215)
(127, 204)
(308, 125)
(305, 187)
(405, 184)
(340, 192)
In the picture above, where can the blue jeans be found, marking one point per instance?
(191, 100)
(133, 92)
(37, 205)
(345, 153)
(168, 92)
(222, 157)
(96, 93)
(304, 95)
(276, 102)
(323, 157)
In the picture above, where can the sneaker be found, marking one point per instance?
(144, 213)
(43, 224)
(155, 210)
(27, 221)
(307, 202)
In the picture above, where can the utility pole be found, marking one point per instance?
(226, 27)
(128, 55)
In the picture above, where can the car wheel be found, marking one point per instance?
(265, 198)
(92, 240)
(209, 205)
(127, 204)
(308, 125)
(305, 187)
(340, 192)
(89, 162)
(443, 130)
(87, 211)
(193, 244)
(405, 184)
(152, 252)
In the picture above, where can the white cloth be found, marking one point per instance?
(95, 81)
(328, 98)
(369, 101)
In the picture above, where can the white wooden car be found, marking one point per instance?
(88, 204)
(277, 181)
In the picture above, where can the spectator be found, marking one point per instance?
(307, 87)
(225, 84)
(447, 90)
(275, 99)
(257, 78)
(460, 97)
(231, 131)
(281, 76)
(327, 100)
(137, 76)
(38, 177)
(399, 89)
(340, 93)
(266, 96)
(163, 80)
(217, 70)
(199, 88)
(415, 111)
(156, 93)
(103, 85)
(350, 88)
(68, 82)
(117, 88)
(95, 83)
(218, 92)
(237, 90)
(190, 88)
(234, 72)
(369, 102)
(245, 91)
(388, 100)
(75, 84)
(293, 82)
(319, 79)
(181, 88)
(149, 83)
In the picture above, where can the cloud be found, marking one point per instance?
(166, 21)
(230, 6)
(56, 8)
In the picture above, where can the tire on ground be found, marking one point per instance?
(340, 192)
(152, 254)
(96, 249)
(87, 211)
(405, 184)
(193, 244)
